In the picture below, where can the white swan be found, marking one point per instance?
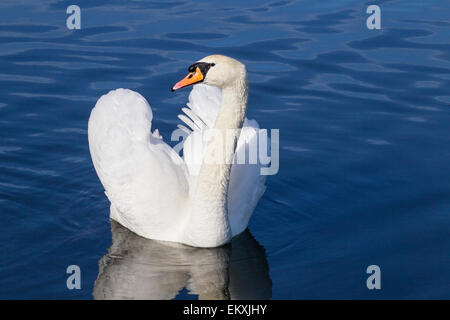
(156, 193)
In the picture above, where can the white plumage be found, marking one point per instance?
(150, 187)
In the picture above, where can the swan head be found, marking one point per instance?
(215, 70)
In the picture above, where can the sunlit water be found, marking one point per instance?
(364, 147)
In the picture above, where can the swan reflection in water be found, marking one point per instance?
(139, 268)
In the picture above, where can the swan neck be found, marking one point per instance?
(209, 215)
(233, 107)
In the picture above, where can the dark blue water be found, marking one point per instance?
(364, 142)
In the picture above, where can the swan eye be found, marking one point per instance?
(202, 66)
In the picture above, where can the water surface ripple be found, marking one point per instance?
(364, 139)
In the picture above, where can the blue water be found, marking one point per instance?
(363, 115)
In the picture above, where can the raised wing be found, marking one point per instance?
(144, 178)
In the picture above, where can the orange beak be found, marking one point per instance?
(191, 78)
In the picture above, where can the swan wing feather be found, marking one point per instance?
(143, 177)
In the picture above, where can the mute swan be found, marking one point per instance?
(156, 193)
